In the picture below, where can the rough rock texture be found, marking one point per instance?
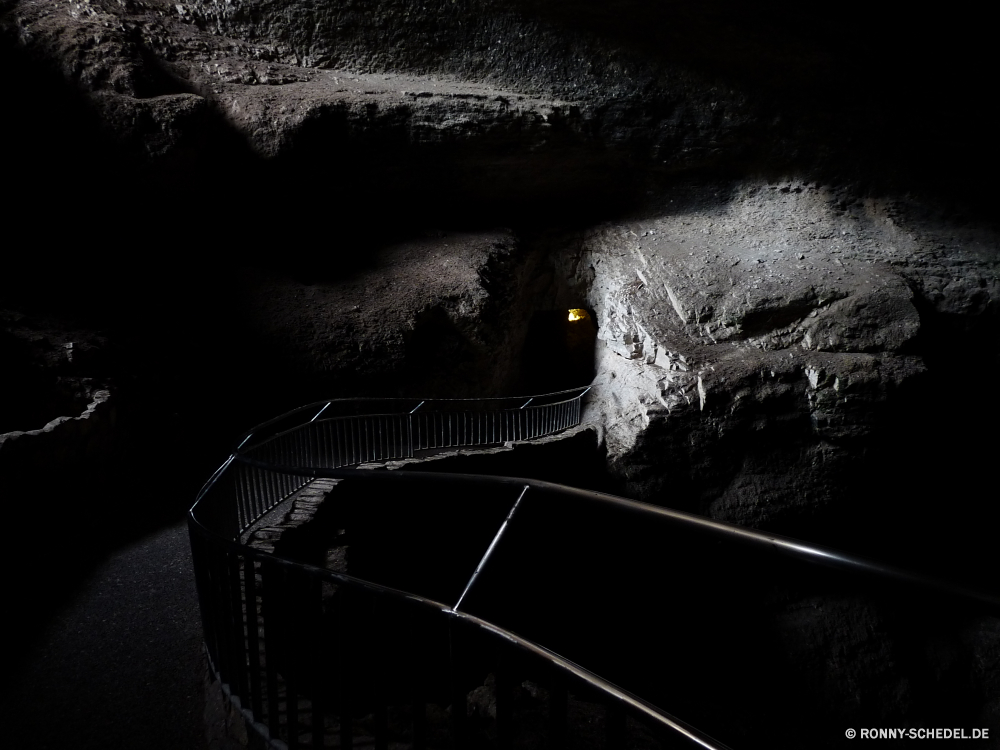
(782, 218)
(773, 325)
(432, 314)
(58, 408)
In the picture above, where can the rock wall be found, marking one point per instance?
(767, 349)
(781, 218)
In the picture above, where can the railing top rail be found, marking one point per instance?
(373, 406)
(212, 526)
(631, 703)
(790, 547)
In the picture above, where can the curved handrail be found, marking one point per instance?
(350, 406)
(263, 472)
(637, 704)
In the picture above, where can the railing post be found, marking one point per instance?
(379, 674)
(615, 726)
(238, 601)
(271, 576)
(253, 636)
(457, 688)
(344, 670)
(505, 699)
(557, 712)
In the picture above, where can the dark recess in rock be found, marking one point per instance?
(780, 216)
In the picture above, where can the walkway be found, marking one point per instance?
(119, 667)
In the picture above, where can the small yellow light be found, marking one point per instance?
(577, 314)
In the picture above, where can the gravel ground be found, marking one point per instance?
(119, 667)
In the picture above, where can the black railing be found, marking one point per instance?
(436, 637)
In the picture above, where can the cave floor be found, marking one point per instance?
(119, 666)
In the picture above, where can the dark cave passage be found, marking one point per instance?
(558, 351)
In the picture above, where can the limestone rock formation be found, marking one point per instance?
(776, 312)
(781, 218)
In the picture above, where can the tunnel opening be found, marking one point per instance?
(558, 351)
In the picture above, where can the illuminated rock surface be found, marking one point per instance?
(781, 221)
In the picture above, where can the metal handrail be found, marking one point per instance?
(366, 407)
(261, 474)
(636, 704)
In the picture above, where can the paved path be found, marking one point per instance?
(119, 667)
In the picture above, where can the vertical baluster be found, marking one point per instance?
(339, 443)
(343, 441)
(557, 713)
(253, 636)
(313, 611)
(272, 479)
(271, 579)
(505, 700)
(353, 443)
(239, 638)
(309, 442)
(317, 721)
(458, 693)
(419, 719)
(244, 512)
(408, 626)
(379, 670)
(206, 595)
(249, 488)
(615, 725)
(224, 632)
(345, 650)
(252, 491)
(262, 478)
(261, 489)
(292, 707)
